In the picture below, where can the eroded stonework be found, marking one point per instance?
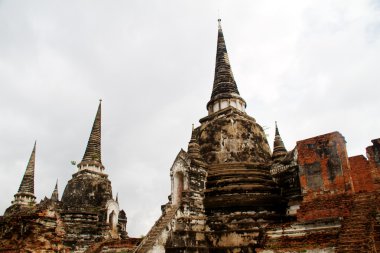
(229, 193)
(244, 198)
(87, 214)
(232, 136)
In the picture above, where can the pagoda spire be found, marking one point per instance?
(27, 183)
(224, 88)
(92, 155)
(54, 195)
(25, 194)
(279, 150)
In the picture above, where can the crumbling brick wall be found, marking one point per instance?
(324, 166)
(34, 230)
(361, 174)
(325, 207)
(373, 155)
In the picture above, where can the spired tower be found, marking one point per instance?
(223, 195)
(25, 199)
(89, 210)
(225, 92)
(54, 194)
(279, 150)
(89, 187)
(241, 198)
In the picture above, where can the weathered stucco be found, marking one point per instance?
(229, 193)
(232, 136)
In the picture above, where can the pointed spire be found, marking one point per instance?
(27, 183)
(54, 195)
(92, 155)
(224, 82)
(279, 150)
(277, 132)
(25, 195)
(117, 198)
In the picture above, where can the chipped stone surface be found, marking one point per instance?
(233, 195)
(86, 215)
(229, 194)
(232, 136)
(38, 229)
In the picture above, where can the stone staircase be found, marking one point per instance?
(358, 232)
(113, 246)
(149, 240)
(97, 247)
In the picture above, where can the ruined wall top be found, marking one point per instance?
(324, 166)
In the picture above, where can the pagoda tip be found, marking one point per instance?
(219, 24)
(276, 129)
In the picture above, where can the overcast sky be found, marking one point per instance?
(311, 65)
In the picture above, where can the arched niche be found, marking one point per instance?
(112, 220)
(179, 174)
(122, 220)
(178, 187)
(112, 214)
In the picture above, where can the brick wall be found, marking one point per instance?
(324, 166)
(361, 174)
(373, 155)
(323, 207)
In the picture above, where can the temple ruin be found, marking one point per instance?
(229, 193)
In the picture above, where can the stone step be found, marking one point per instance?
(155, 231)
(358, 215)
(354, 232)
(352, 246)
(353, 249)
(363, 234)
(350, 242)
(355, 223)
(357, 219)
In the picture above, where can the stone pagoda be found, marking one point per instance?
(222, 190)
(24, 199)
(230, 193)
(87, 214)
(88, 208)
